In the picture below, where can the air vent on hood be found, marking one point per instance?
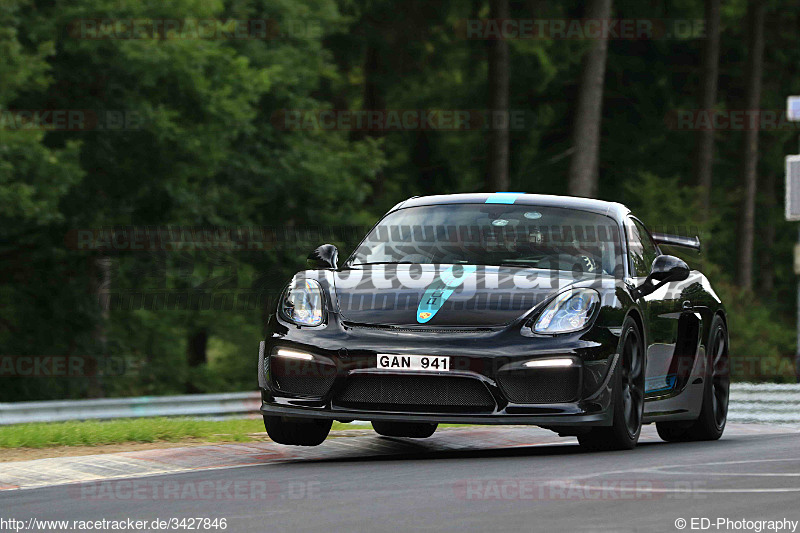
(399, 329)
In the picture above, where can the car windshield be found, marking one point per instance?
(495, 234)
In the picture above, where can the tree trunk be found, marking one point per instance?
(766, 263)
(583, 169)
(196, 354)
(373, 101)
(101, 286)
(100, 272)
(753, 72)
(497, 178)
(704, 155)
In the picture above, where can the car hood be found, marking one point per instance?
(444, 295)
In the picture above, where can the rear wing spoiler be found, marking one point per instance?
(675, 240)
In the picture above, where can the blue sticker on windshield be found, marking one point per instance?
(503, 197)
(440, 290)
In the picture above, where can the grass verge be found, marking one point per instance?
(142, 430)
(91, 432)
(94, 432)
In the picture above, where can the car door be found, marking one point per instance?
(662, 310)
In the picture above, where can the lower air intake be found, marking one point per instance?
(541, 385)
(304, 378)
(415, 393)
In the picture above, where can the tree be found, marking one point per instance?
(497, 176)
(704, 154)
(42, 309)
(209, 150)
(203, 150)
(583, 170)
(753, 73)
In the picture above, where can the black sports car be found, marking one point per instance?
(505, 308)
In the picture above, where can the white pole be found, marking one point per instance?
(797, 352)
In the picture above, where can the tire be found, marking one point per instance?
(297, 431)
(710, 424)
(673, 431)
(628, 396)
(416, 430)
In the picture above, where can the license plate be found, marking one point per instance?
(413, 362)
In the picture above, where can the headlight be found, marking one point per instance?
(302, 303)
(570, 311)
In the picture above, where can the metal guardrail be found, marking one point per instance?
(759, 403)
(225, 404)
(765, 403)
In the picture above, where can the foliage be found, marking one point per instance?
(202, 148)
(197, 149)
(761, 338)
(762, 341)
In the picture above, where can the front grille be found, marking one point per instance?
(415, 393)
(306, 378)
(262, 378)
(540, 386)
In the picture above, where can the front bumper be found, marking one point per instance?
(547, 420)
(486, 383)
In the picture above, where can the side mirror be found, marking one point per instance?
(326, 256)
(666, 268)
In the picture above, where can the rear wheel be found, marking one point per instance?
(628, 399)
(297, 431)
(716, 390)
(417, 430)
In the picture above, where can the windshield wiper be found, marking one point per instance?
(385, 263)
(520, 264)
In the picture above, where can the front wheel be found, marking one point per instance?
(297, 431)
(416, 430)
(628, 396)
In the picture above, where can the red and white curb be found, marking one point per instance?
(66, 470)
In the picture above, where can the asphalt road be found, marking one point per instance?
(412, 485)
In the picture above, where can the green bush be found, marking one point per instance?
(762, 339)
